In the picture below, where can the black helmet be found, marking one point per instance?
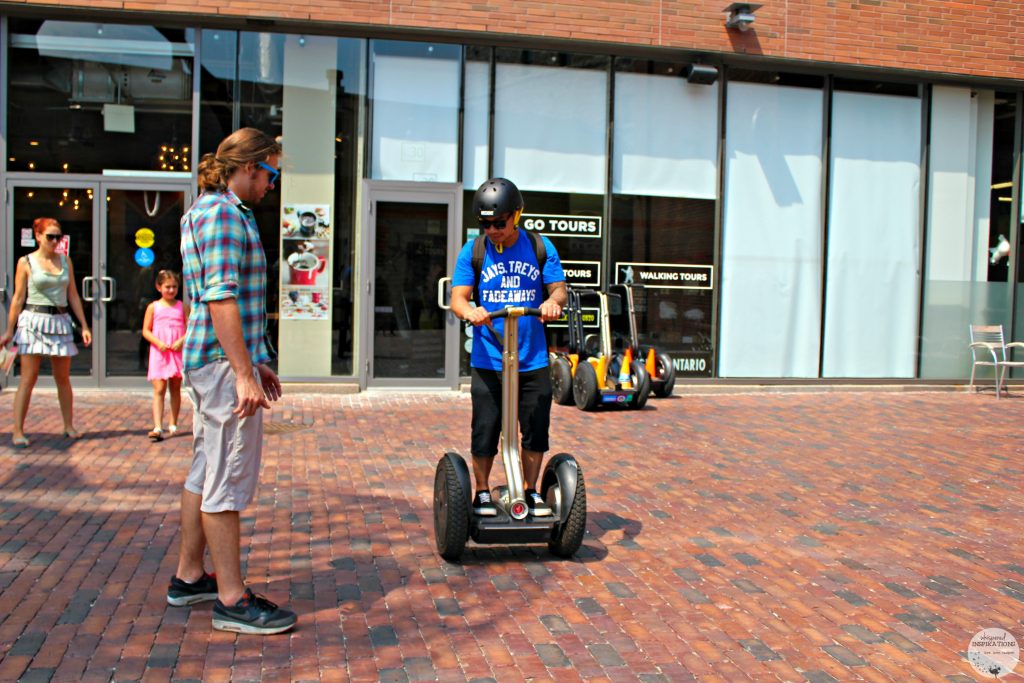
(495, 197)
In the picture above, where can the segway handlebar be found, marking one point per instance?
(514, 312)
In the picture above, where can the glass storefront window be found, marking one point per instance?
(969, 224)
(247, 80)
(476, 117)
(348, 154)
(664, 180)
(218, 64)
(84, 97)
(415, 111)
(873, 243)
(672, 235)
(550, 121)
(771, 231)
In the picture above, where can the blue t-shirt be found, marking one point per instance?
(511, 278)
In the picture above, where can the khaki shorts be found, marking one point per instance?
(225, 448)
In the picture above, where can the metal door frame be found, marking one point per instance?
(401, 191)
(100, 185)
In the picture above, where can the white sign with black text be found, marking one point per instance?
(582, 273)
(562, 226)
(664, 275)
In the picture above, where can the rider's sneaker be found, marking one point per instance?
(181, 593)
(252, 614)
(538, 508)
(483, 506)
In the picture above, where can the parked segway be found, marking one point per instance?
(561, 486)
(592, 377)
(657, 363)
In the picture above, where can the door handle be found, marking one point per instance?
(87, 291)
(440, 293)
(113, 288)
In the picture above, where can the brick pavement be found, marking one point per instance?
(731, 537)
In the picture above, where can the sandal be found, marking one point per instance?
(156, 435)
(72, 433)
(19, 442)
(172, 430)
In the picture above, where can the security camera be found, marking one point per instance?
(741, 15)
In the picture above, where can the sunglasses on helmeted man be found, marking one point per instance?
(53, 237)
(498, 222)
(274, 173)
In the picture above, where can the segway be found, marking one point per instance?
(657, 363)
(561, 483)
(591, 377)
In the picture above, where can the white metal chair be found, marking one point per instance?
(988, 348)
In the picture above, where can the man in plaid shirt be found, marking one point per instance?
(225, 356)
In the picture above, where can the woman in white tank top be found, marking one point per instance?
(39, 323)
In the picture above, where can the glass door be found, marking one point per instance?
(412, 242)
(141, 238)
(119, 234)
(72, 204)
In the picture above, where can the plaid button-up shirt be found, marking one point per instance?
(223, 258)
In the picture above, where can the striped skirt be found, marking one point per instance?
(44, 334)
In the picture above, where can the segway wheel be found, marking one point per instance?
(561, 380)
(642, 382)
(567, 537)
(451, 511)
(666, 373)
(584, 387)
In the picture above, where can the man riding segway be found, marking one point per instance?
(503, 267)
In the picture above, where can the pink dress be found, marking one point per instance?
(168, 327)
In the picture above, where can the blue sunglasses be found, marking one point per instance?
(274, 173)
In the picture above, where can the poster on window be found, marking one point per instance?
(305, 272)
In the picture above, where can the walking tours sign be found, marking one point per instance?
(582, 273)
(664, 275)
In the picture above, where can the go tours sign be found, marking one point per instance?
(551, 225)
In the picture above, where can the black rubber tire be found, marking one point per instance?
(642, 384)
(451, 512)
(567, 538)
(584, 387)
(666, 373)
(561, 380)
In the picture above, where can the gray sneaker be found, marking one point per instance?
(253, 614)
(181, 593)
(538, 508)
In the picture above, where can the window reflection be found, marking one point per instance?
(84, 97)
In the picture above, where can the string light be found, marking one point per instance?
(172, 158)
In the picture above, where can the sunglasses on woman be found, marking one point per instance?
(52, 237)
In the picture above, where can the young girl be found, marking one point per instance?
(164, 329)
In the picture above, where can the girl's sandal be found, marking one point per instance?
(72, 434)
(156, 435)
(172, 430)
(19, 442)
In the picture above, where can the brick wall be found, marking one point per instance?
(980, 37)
